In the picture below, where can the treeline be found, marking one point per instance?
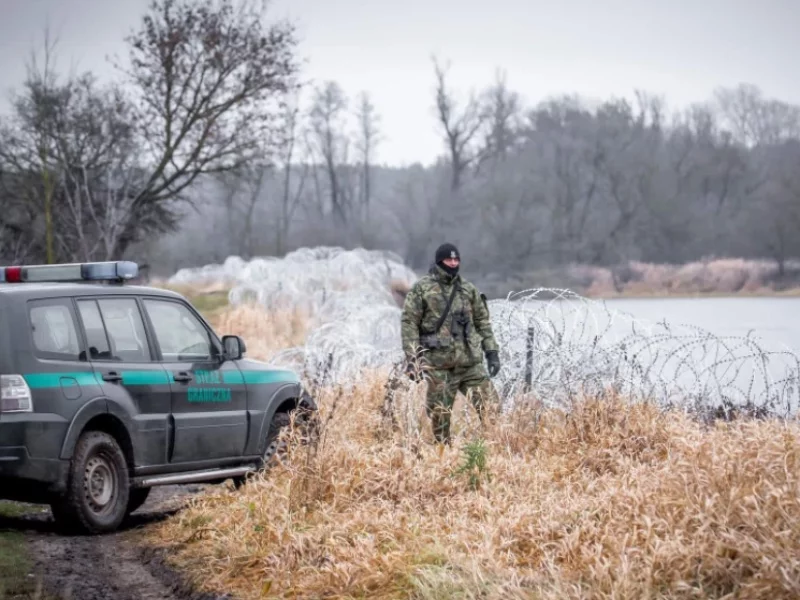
(524, 188)
(208, 147)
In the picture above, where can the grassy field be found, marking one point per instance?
(609, 500)
(14, 560)
(209, 300)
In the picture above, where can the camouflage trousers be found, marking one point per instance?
(444, 385)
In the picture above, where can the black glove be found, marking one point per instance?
(494, 362)
(412, 372)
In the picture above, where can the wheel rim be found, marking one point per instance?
(272, 450)
(99, 483)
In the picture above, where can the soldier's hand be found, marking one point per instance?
(412, 372)
(494, 362)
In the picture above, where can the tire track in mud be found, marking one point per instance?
(105, 567)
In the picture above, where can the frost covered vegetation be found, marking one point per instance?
(579, 487)
(555, 345)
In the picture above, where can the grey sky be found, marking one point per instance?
(682, 49)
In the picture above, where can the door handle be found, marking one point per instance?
(181, 376)
(112, 376)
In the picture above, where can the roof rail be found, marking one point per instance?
(109, 271)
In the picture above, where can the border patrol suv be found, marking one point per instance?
(109, 389)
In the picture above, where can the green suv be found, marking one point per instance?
(111, 389)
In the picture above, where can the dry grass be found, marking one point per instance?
(608, 501)
(265, 333)
(723, 276)
(208, 299)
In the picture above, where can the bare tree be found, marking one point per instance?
(72, 155)
(100, 207)
(331, 143)
(17, 216)
(366, 142)
(30, 136)
(291, 193)
(755, 120)
(415, 214)
(504, 120)
(243, 190)
(271, 188)
(461, 128)
(210, 81)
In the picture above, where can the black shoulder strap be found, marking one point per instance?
(440, 322)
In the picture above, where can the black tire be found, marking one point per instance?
(239, 481)
(98, 489)
(272, 449)
(61, 517)
(280, 421)
(136, 498)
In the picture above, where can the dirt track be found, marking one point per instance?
(104, 567)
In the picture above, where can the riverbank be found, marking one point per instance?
(724, 277)
(718, 278)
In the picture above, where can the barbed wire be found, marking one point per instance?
(556, 346)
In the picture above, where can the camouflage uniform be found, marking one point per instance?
(456, 365)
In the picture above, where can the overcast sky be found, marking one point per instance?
(682, 49)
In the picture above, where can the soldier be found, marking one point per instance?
(446, 327)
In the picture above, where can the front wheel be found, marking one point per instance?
(137, 498)
(272, 448)
(98, 491)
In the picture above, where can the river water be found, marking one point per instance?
(775, 320)
(734, 350)
(742, 370)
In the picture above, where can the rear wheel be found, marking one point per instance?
(97, 496)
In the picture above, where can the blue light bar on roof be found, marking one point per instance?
(110, 270)
(92, 271)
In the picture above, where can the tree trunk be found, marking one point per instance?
(50, 255)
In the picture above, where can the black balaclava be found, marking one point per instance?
(447, 251)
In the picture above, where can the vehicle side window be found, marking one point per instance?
(99, 348)
(181, 336)
(125, 329)
(55, 334)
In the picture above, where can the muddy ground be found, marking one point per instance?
(104, 567)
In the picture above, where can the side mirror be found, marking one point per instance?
(234, 347)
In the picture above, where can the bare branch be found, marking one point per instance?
(210, 79)
(460, 128)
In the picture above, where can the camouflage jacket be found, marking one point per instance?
(466, 333)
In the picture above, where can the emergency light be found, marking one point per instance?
(91, 271)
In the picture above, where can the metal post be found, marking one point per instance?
(529, 358)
